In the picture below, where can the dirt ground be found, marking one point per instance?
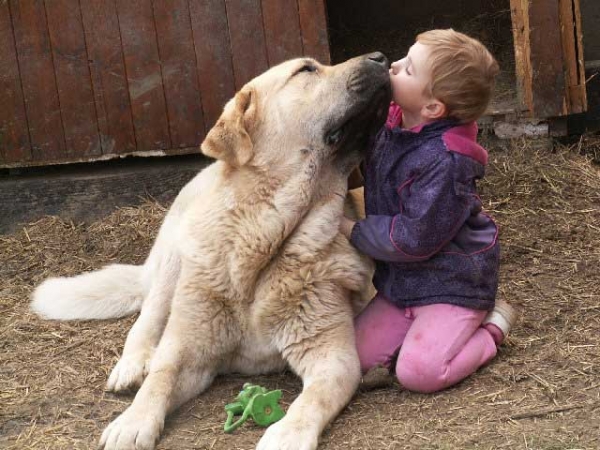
(541, 392)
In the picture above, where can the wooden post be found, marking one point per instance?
(549, 56)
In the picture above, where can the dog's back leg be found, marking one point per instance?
(330, 371)
(144, 336)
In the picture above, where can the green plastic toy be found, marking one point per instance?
(256, 402)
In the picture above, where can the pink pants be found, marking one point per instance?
(439, 344)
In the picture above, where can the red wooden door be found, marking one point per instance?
(96, 79)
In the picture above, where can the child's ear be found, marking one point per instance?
(230, 139)
(434, 110)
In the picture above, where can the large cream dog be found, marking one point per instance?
(248, 272)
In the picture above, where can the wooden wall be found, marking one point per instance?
(84, 80)
(590, 17)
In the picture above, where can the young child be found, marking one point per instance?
(434, 319)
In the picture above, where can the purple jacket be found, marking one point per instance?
(425, 227)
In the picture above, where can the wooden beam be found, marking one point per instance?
(519, 10)
(549, 56)
(548, 75)
(572, 27)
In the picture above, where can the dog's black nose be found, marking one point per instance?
(379, 58)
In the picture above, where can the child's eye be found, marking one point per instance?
(407, 71)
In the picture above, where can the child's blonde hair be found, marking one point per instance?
(463, 73)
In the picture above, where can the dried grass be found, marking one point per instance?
(541, 392)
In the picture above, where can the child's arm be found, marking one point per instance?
(431, 216)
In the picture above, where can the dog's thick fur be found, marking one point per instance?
(248, 272)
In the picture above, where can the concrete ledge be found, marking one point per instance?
(85, 192)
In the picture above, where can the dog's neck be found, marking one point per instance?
(259, 185)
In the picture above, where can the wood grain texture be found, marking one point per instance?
(73, 78)
(519, 10)
(213, 56)
(109, 78)
(38, 80)
(572, 45)
(313, 22)
(14, 133)
(180, 76)
(282, 30)
(248, 47)
(144, 77)
(98, 79)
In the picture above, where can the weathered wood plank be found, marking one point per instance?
(142, 63)
(14, 135)
(73, 78)
(38, 79)
(180, 77)
(313, 22)
(213, 56)
(247, 34)
(282, 30)
(569, 52)
(83, 193)
(109, 79)
(549, 98)
(519, 10)
(572, 41)
(545, 52)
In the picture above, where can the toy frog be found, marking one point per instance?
(256, 402)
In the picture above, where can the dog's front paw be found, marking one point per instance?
(131, 431)
(129, 373)
(285, 435)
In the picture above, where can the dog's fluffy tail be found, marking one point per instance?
(114, 291)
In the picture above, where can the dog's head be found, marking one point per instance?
(301, 110)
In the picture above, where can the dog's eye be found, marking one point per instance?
(334, 137)
(306, 68)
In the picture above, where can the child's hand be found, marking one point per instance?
(346, 226)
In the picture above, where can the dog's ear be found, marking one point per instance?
(230, 139)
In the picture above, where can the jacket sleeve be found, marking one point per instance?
(433, 208)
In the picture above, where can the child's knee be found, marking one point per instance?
(419, 374)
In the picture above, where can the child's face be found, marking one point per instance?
(410, 78)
